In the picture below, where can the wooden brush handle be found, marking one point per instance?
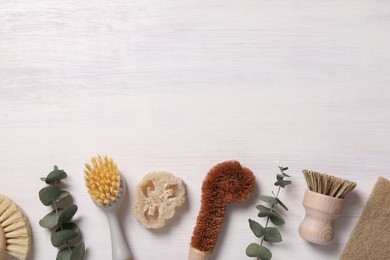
(196, 254)
(321, 210)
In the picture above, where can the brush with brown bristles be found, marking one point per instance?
(323, 202)
(225, 183)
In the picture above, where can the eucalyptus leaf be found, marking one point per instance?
(64, 254)
(281, 204)
(276, 219)
(268, 199)
(55, 176)
(67, 213)
(64, 194)
(256, 250)
(60, 237)
(279, 177)
(78, 252)
(50, 220)
(263, 208)
(256, 228)
(283, 183)
(71, 226)
(263, 214)
(49, 194)
(281, 168)
(272, 234)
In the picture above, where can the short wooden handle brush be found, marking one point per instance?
(323, 202)
(225, 183)
(107, 189)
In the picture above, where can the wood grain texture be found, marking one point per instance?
(182, 85)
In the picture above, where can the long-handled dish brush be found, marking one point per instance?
(15, 231)
(225, 183)
(323, 202)
(107, 190)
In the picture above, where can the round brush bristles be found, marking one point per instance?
(15, 228)
(102, 179)
(225, 183)
(328, 185)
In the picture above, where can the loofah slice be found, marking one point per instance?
(158, 195)
(15, 231)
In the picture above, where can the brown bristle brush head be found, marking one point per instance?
(323, 202)
(327, 184)
(225, 183)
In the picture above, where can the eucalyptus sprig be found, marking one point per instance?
(65, 234)
(266, 233)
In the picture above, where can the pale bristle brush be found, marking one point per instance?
(107, 189)
(323, 202)
(15, 231)
(225, 183)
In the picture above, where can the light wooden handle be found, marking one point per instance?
(321, 210)
(196, 254)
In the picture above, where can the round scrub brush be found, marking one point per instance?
(225, 183)
(15, 231)
(323, 202)
(107, 190)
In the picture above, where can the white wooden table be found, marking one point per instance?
(182, 85)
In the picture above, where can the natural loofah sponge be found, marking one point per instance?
(158, 195)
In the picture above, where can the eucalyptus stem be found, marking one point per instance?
(63, 232)
(268, 234)
(59, 224)
(272, 209)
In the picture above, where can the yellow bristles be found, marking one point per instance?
(102, 179)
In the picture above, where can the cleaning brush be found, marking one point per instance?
(225, 183)
(107, 189)
(15, 231)
(323, 202)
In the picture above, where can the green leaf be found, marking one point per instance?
(49, 194)
(63, 195)
(263, 214)
(55, 176)
(281, 204)
(256, 250)
(268, 199)
(60, 237)
(67, 213)
(281, 168)
(263, 208)
(276, 219)
(78, 252)
(256, 228)
(283, 184)
(50, 220)
(71, 226)
(272, 234)
(64, 254)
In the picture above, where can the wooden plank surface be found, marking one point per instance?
(182, 85)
